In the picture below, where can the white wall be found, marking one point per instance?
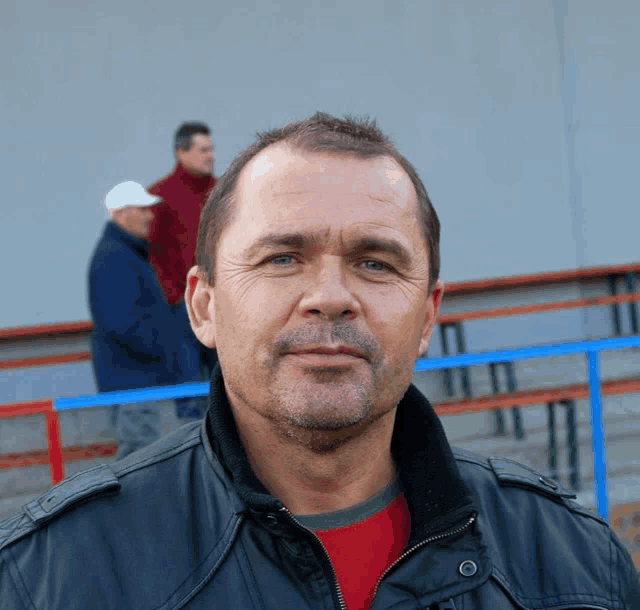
(604, 38)
(474, 97)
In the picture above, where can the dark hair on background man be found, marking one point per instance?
(359, 137)
(184, 136)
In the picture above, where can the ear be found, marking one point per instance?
(433, 309)
(199, 299)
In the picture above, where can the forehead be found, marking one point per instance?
(201, 140)
(281, 186)
(139, 208)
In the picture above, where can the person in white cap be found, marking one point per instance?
(129, 205)
(138, 339)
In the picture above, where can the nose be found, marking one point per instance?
(328, 296)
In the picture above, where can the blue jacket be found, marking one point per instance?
(185, 524)
(138, 339)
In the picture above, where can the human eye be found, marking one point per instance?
(282, 260)
(375, 266)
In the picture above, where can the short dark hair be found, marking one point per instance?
(184, 136)
(322, 132)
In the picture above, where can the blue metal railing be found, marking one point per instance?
(591, 349)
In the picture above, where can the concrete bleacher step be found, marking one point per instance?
(77, 428)
(622, 442)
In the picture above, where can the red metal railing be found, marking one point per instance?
(54, 447)
(20, 363)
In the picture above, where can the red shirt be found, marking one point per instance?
(174, 230)
(362, 550)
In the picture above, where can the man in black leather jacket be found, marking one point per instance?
(320, 478)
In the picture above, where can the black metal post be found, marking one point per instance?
(630, 281)
(462, 349)
(448, 377)
(553, 449)
(499, 428)
(615, 308)
(518, 429)
(572, 444)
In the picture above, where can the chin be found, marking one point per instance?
(324, 428)
(329, 422)
(330, 408)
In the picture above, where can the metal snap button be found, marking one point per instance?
(50, 499)
(468, 568)
(548, 482)
(272, 520)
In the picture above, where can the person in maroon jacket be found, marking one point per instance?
(184, 192)
(174, 230)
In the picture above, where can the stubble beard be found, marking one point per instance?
(325, 409)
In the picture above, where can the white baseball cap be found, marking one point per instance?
(128, 194)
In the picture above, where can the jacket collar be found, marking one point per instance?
(198, 185)
(436, 494)
(115, 232)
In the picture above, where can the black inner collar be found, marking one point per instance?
(354, 514)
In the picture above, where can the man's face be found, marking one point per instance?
(326, 253)
(136, 220)
(199, 158)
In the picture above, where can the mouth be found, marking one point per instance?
(326, 356)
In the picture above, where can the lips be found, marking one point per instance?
(331, 351)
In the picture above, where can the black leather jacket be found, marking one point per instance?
(184, 523)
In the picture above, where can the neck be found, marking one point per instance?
(127, 230)
(192, 174)
(313, 473)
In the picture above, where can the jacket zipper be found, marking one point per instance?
(421, 544)
(393, 565)
(343, 606)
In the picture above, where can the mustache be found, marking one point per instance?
(341, 332)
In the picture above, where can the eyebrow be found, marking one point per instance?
(302, 241)
(387, 245)
(298, 241)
